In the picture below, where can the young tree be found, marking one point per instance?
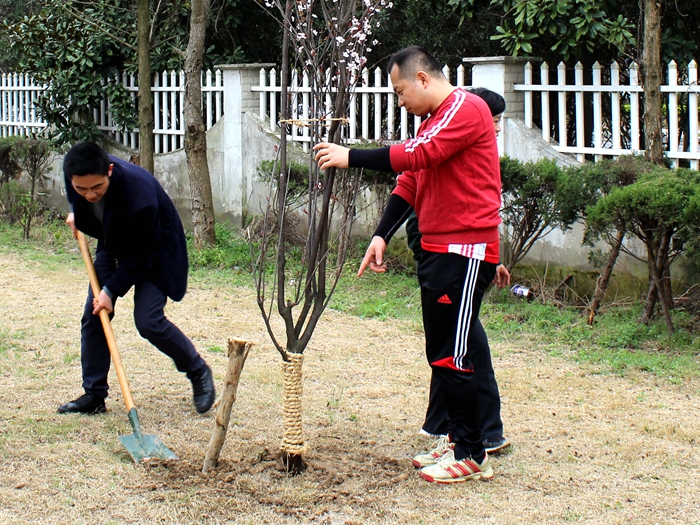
(328, 41)
(34, 157)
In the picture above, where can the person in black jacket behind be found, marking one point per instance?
(141, 244)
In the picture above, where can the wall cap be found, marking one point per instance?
(228, 67)
(500, 60)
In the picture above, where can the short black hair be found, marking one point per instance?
(86, 158)
(495, 102)
(413, 59)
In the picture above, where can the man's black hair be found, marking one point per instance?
(495, 102)
(413, 59)
(86, 158)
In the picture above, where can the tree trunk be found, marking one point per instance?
(145, 95)
(292, 446)
(650, 303)
(293, 439)
(604, 279)
(659, 267)
(667, 287)
(664, 306)
(651, 79)
(195, 133)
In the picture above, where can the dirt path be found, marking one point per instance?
(588, 447)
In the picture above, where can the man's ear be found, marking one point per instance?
(423, 78)
(109, 172)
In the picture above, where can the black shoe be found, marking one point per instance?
(203, 390)
(496, 445)
(85, 404)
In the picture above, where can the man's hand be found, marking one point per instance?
(102, 302)
(374, 256)
(502, 277)
(331, 155)
(70, 221)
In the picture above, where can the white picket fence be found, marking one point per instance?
(373, 113)
(590, 114)
(18, 116)
(603, 117)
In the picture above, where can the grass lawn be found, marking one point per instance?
(603, 419)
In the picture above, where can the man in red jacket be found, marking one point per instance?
(450, 176)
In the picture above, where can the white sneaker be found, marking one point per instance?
(438, 449)
(449, 470)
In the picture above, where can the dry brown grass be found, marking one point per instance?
(588, 447)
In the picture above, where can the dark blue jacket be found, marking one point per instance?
(141, 229)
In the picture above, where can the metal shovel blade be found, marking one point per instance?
(142, 447)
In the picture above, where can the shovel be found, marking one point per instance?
(140, 446)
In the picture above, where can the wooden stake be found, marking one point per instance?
(237, 354)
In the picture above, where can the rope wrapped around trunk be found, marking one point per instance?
(293, 440)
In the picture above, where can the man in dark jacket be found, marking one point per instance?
(141, 244)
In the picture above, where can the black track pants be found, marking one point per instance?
(452, 287)
(151, 322)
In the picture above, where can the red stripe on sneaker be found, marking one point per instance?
(473, 467)
(451, 471)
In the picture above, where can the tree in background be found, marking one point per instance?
(584, 185)
(195, 132)
(651, 71)
(327, 41)
(569, 28)
(145, 96)
(11, 12)
(78, 64)
(34, 157)
(77, 49)
(659, 209)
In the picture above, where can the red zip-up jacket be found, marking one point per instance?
(451, 172)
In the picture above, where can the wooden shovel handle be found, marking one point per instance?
(106, 325)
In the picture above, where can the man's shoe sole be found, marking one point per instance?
(92, 412)
(447, 481)
(497, 448)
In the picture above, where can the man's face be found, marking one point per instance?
(497, 123)
(412, 92)
(92, 187)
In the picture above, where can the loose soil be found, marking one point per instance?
(588, 447)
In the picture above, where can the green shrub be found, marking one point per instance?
(230, 252)
(11, 196)
(9, 169)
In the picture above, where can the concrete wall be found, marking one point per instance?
(526, 144)
(171, 172)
